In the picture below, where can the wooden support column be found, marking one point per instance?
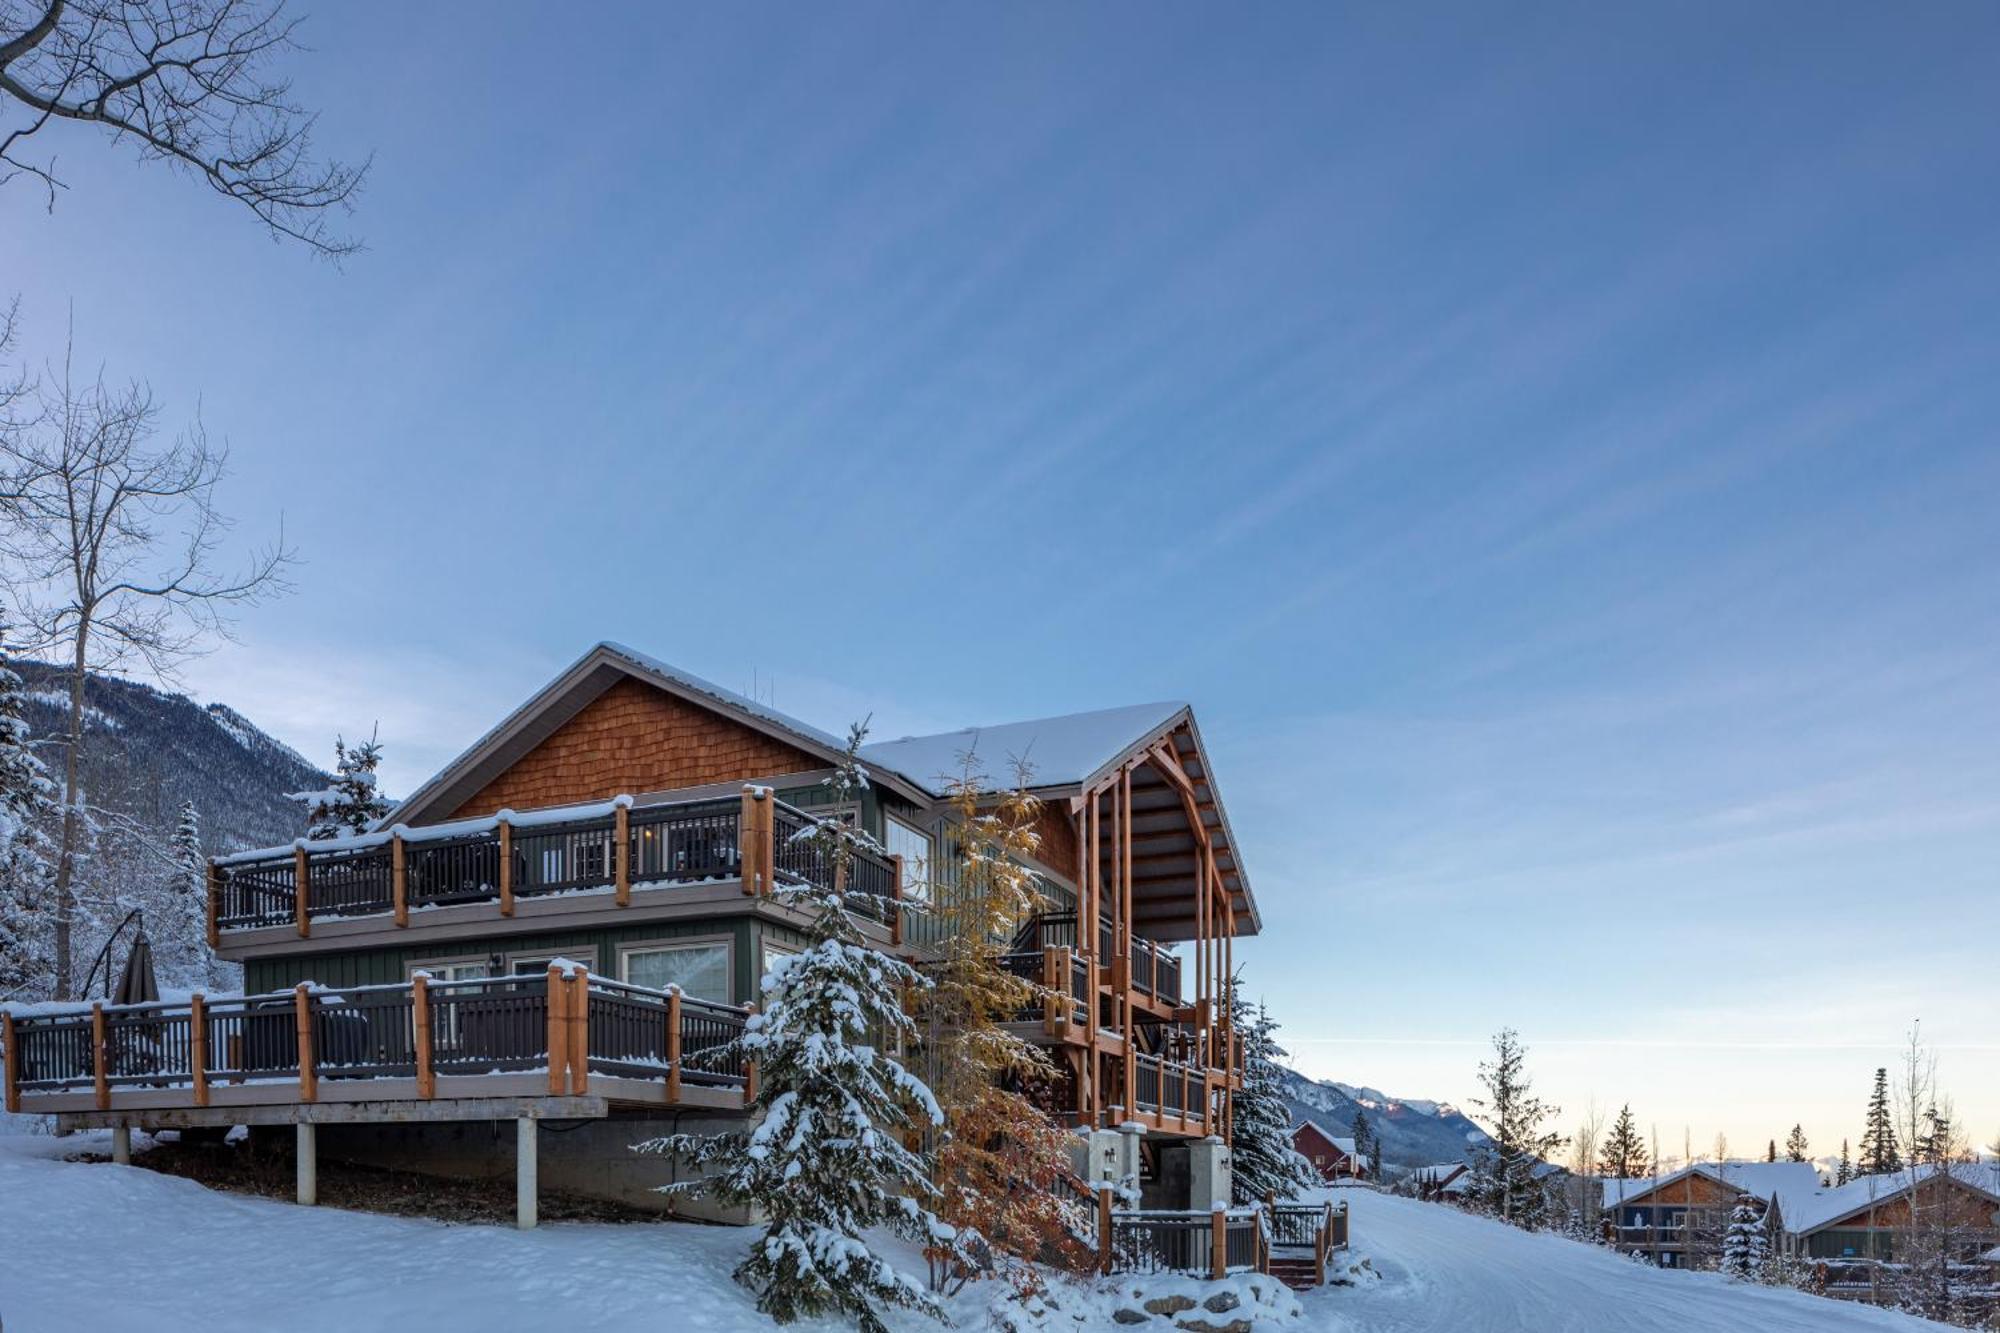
(308, 1067)
(621, 852)
(1123, 852)
(198, 1046)
(214, 904)
(1086, 920)
(1218, 1230)
(399, 879)
(100, 1068)
(673, 1043)
(301, 882)
(13, 1062)
(420, 1030)
(578, 1013)
(750, 1069)
(558, 1034)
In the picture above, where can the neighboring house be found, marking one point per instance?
(1679, 1220)
(1852, 1234)
(1333, 1157)
(408, 993)
(1440, 1181)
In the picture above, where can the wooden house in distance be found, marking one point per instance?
(567, 923)
(1678, 1220)
(1334, 1157)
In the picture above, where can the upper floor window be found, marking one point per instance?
(914, 846)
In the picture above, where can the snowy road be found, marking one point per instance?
(1448, 1272)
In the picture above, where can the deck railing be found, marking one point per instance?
(1156, 970)
(414, 1030)
(606, 848)
(1199, 1244)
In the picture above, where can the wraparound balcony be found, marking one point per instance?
(609, 849)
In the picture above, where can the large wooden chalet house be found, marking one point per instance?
(568, 922)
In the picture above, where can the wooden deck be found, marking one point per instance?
(555, 1037)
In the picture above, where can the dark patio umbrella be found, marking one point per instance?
(138, 985)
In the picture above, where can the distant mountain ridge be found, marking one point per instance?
(148, 750)
(1414, 1131)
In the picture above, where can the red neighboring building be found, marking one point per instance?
(1334, 1158)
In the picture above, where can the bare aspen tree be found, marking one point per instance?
(111, 548)
(187, 82)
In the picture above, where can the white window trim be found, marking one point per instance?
(930, 838)
(587, 955)
(434, 965)
(727, 943)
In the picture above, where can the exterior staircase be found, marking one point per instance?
(1300, 1272)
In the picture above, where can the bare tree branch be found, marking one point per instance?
(186, 81)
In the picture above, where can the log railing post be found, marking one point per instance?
(399, 878)
(301, 882)
(558, 1034)
(1218, 1266)
(673, 1043)
(506, 866)
(1065, 1001)
(13, 1063)
(100, 1069)
(896, 904)
(748, 856)
(1050, 958)
(579, 1031)
(308, 1067)
(198, 1046)
(621, 852)
(214, 904)
(420, 1032)
(1104, 1229)
(750, 1066)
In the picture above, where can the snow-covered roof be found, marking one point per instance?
(1062, 751)
(742, 703)
(1830, 1205)
(1346, 1145)
(1792, 1184)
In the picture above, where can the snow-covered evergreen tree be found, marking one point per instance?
(1845, 1171)
(1796, 1147)
(1362, 1136)
(27, 811)
(1880, 1153)
(177, 920)
(1263, 1161)
(1744, 1247)
(1771, 1150)
(826, 1163)
(1375, 1157)
(352, 804)
(1624, 1155)
(1520, 1143)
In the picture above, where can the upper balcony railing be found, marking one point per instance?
(609, 848)
(1156, 970)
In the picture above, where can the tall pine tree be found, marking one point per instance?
(1880, 1153)
(1263, 1162)
(1363, 1136)
(826, 1163)
(27, 811)
(1845, 1171)
(1796, 1147)
(352, 804)
(1521, 1144)
(1624, 1154)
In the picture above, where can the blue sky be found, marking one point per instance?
(1554, 452)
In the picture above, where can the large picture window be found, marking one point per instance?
(701, 970)
(914, 846)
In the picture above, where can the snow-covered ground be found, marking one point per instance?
(1446, 1270)
(96, 1246)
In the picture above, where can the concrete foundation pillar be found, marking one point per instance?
(121, 1144)
(1130, 1135)
(1208, 1174)
(308, 1159)
(525, 1144)
(1099, 1155)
